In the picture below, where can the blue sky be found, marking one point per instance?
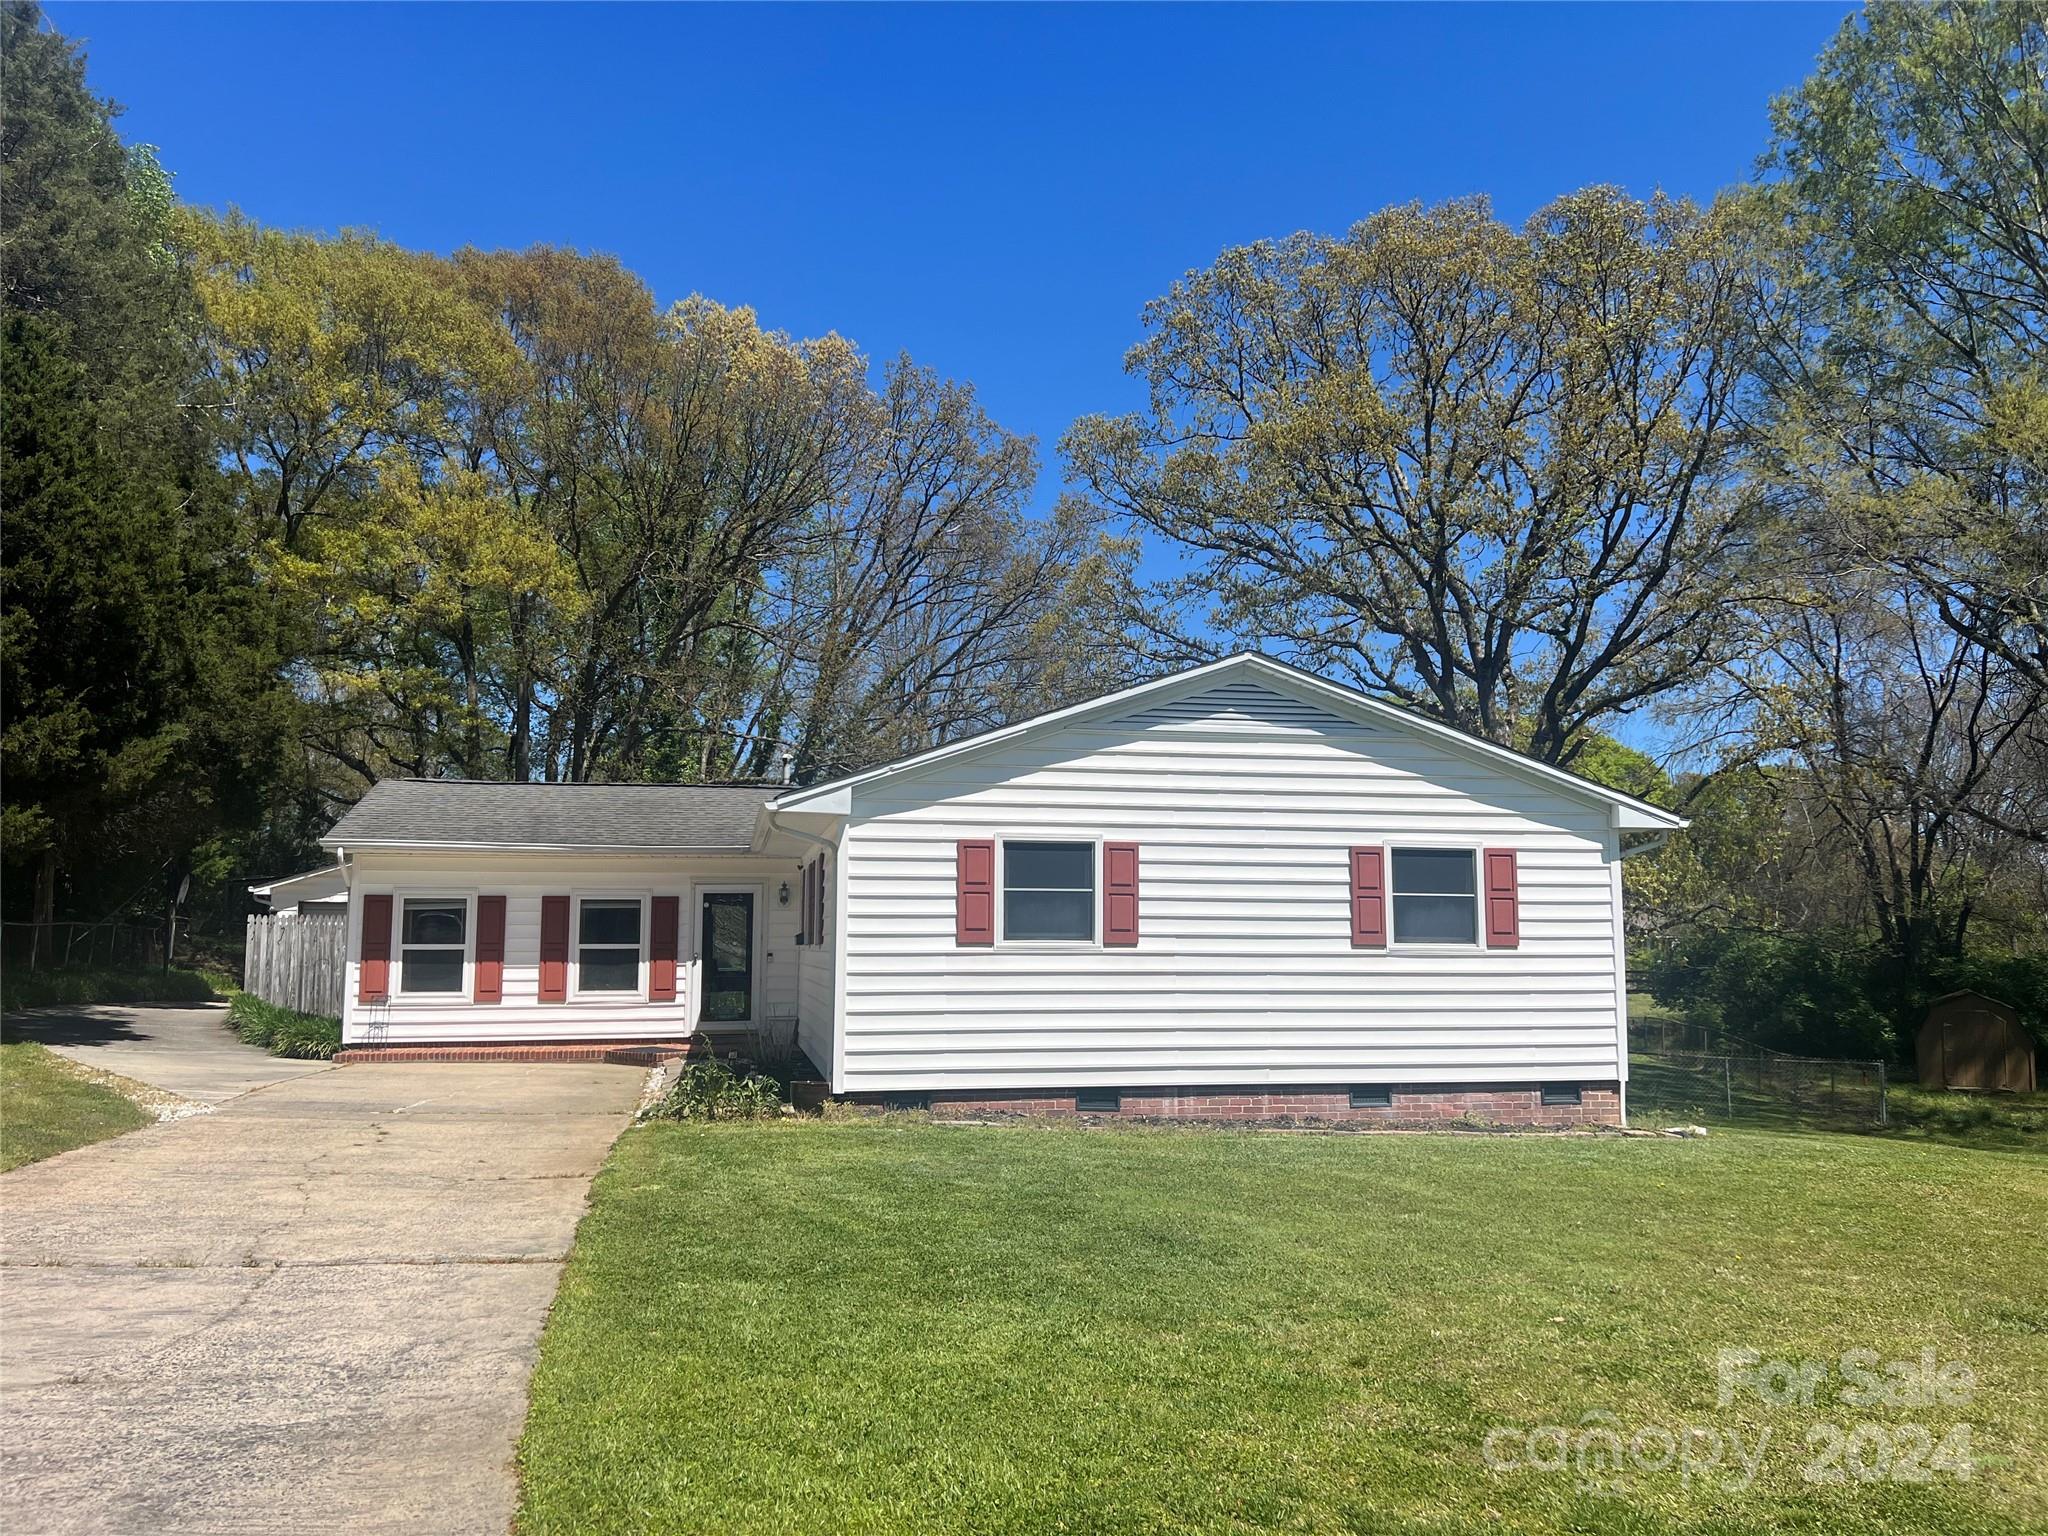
(996, 190)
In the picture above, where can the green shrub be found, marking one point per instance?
(23, 988)
(280, 1031)
(710, 1090)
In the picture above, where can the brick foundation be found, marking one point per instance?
(1413, 1104)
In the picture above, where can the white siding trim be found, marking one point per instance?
(1620, 975)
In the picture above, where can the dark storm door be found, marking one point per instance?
(726, 947)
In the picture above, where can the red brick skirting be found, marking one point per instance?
(1413, 1104)
(631, 1053)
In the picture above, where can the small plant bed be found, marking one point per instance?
(50, 1105)
(712, 1090)
(280, 1031)
(23, 988)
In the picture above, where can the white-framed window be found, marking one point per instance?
(433, 945)
(1048, 890)
(610, 935)
(1435, 895)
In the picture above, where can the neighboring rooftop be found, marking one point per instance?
(474, 813)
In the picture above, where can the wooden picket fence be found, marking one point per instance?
(297, 960)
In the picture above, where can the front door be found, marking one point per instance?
(725, 949)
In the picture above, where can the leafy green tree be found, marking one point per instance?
(139, 702)
(1489, 472)
(1910, 173)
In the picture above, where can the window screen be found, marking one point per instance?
(608, 946)
(1049, 891)
(431, 936)
(1436, 896)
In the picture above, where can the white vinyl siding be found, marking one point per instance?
(1245, 802)
(523, 879)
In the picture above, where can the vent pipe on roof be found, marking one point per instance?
(785, 757)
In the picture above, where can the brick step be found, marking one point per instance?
(627, 1053)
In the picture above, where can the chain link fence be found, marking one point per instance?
(68, 946)
(1687, 1071)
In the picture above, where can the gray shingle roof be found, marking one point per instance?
(472, 813)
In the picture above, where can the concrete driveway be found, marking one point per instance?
(314, 1310)
(184, 1048)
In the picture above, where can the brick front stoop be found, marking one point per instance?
(625, 1053)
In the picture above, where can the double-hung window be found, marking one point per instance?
(1436, 896)
(608, 945)
(1049, 891)
(432, 941)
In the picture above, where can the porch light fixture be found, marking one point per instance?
(782, 894)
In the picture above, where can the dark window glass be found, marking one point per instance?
(1049, 866)
(611, 922)
(1049, 915)
(431, 970)
(1560, 1093)
(1436, 919)
(1098, 1101)
(433, 922)
(430, 936)
(609, 970)
(608, 946)
(1433, 872)
(1372, 1098)
(1049, 891)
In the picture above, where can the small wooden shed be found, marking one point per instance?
(1975, 1043)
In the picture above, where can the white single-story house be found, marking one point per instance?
(1241, 890)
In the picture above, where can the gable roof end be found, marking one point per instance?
(1627, 813)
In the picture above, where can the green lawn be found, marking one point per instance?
(897, 1326)
(47, 1106)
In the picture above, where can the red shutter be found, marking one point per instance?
(666, 914)
(373, 968)
(1368, 898)
(1120, 893)
(554, 949)
(974, 908)
(490, 949)
(1503, 899)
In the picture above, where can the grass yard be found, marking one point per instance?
(48, 1106)
(898, 1326)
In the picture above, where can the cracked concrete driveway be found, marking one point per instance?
(314, 1310)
